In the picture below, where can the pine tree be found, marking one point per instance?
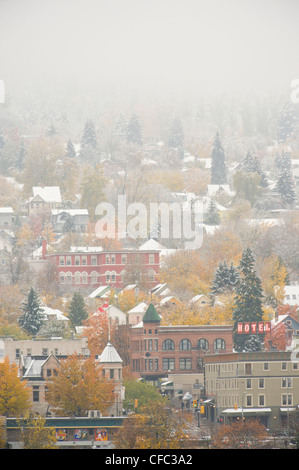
(176, 138)
(77, 311)
(19, 163)
(212, 217)
(285, 186)
(218, 167)
(248, 304)
(89, 138)
(70, 149)
(69, 224)
(287, 121)
(225, 279)
(33, 317)
(134, 134)
(252, 165)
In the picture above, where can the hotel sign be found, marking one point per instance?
(254, 327)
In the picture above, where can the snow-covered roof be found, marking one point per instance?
(6, 210)
(110, 355)
(214, 188)
(47, 193)
(54, 312)
(71, 212)
(152, 244)
(101, 291)
(197, 297)
(140, 308)
(86, 249)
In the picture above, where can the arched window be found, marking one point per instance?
(168, 345)
(107, 274)
(94, 277)
(202, 344)
(84, 277)
(185, 345)
(219, 343)
(113, 276)
(68, 278)
(77, 277)
(61, 278)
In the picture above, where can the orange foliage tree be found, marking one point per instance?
(78, 387)
(14, 393)
(240, 435)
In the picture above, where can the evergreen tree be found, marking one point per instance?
(33, 317)
(134, 134)
(77, 311)
(252, 165)
(69, 224)
(285, 186)
(70, 149)
(218, 167)
(19, 163)
(248, 305)
(89, 138)
(176, 138)
(225, 279)
(212, 217)
(287, 121)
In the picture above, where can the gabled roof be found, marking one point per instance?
(47, 193)
(100, 292)
(140, 308)
(151, 315)
(109, 355)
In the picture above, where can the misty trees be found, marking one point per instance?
(218, 167)
(212, 217)
(248, 304)
(70, 149)
(252, 165)
(134, 133)
(88, 151)
(92, 189)
(287, 122)
(176, 138)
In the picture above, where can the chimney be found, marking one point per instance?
(44, 248)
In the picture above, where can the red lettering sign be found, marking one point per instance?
(240, 328)
(253, 327)
(246, 327)
(267, 326)
(261, 327)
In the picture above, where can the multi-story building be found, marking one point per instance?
(92, 267)
(263, 385)
(157, 350)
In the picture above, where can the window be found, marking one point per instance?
(113, 276)
(286, 400)
(248, 369)
(248, 400)
(45, 351)
(168, 345)
(35, 393)
(93, 260)
(49, 372)
(68, 261)
(261, 400)
(94, 277)
(84, 278)
(151, 259)
(77, 261)
(185, 345)
(123, 259)
(107, 259)
(18, 352)
(107, 277)
(156, 364)
(150, 344)
(261, 383)
(61, 260)
(219, 343)
(202, 344)
(283, 366)
(248, 383)
(156, 344)
(61, 278)
(152, 275)
(286, 382)
(185, 363)
(112, 259)
(84, 260)
(266, 365)
(150, 364)
(68, 278)
(111, 373)
(77, 277)
(168, 364)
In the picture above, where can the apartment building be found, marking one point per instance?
(263, 385)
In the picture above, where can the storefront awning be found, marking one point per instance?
(286, 409)
(259, 411)
(167, 384)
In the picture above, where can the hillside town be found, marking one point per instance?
(149, 272)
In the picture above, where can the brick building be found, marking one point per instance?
(92, 267)
(157, 350)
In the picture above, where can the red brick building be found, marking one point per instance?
(92, 267)
(157, 350)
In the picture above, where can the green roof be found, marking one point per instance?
(151, 315)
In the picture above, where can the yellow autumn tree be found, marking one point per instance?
(78, 387)
(36, 435)
(14, 393)
(274, 276)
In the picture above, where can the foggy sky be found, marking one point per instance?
(183, 45)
